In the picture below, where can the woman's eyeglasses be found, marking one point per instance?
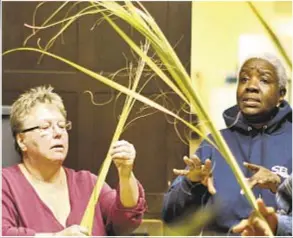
(46, 126)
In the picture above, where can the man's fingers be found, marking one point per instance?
(252, 182)
(209, 181)
(246, 232)
(261, 206)
(208, 165)
(263, 209)
(192, 162)
(240, 226)
(252, 167)
(194, 157)
(198, 172)
(188, 162)
(210, 185)
(270, 210)
(196, 161)
(261, 225)
(180, 171)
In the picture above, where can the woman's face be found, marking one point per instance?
(50, 141)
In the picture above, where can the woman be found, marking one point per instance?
(40, 197)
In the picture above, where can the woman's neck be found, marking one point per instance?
(43, 172)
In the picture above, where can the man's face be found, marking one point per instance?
(258, 91)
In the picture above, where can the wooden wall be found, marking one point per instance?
(158, 147)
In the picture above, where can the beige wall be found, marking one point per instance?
(216, 28)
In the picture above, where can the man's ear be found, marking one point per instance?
(20, 142)
(283, 92)
(282, 95)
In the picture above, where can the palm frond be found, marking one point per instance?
(138, 18)
(275, 39)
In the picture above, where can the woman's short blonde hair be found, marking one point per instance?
(23, 106)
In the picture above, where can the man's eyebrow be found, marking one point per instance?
(245, 68)
(265, 71)
(260, 70)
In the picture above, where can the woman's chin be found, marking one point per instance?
(57, 159)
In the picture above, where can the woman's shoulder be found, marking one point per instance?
(84, 179)
(12, 178)
(80, 176)
(10, 171)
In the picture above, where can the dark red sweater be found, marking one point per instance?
(24, 213)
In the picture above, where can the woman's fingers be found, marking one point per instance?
(123, 150)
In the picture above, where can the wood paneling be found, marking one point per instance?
(15, 15)
(158, 147)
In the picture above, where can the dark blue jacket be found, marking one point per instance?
(270, 146)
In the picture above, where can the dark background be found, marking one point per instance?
(158, 147)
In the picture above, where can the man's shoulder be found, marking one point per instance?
(224, 132)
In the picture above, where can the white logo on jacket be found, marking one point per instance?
(280, 170)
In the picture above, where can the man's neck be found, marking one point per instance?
(258, 121)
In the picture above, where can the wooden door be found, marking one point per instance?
(158, 147)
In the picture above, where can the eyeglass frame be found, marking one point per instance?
(67, 123)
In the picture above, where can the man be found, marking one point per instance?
(259, 134)
(280, 223)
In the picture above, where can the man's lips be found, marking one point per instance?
(251, 99)
(251, 102)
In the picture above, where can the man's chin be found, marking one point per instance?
(251, 112)
(257, 117)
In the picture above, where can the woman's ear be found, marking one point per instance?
(20, 142)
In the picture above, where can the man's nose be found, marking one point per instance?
(253, 85)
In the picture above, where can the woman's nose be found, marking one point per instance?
(57, 131)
